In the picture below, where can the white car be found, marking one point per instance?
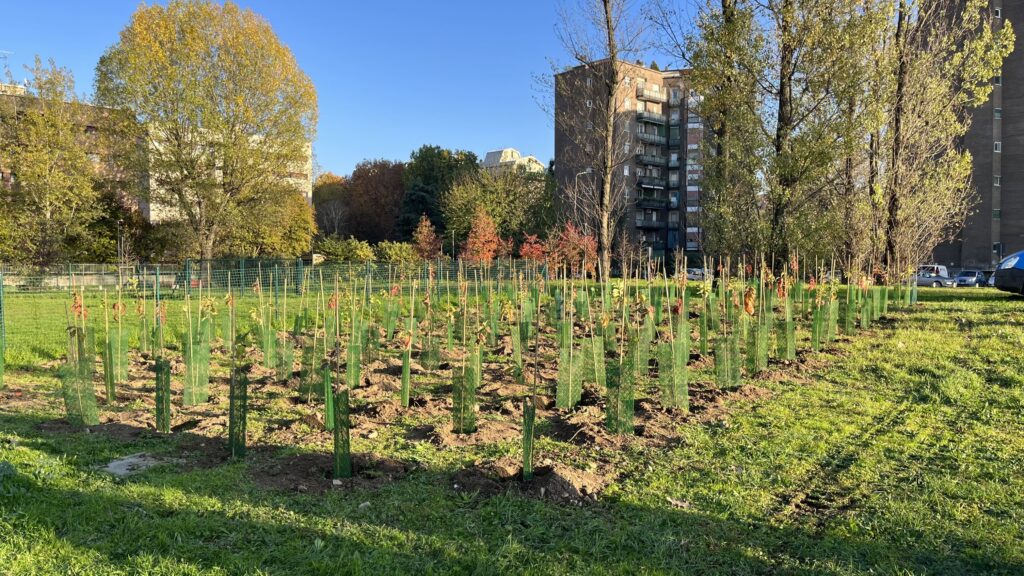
(697, 274)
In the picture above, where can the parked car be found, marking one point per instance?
(696, 274)
(1009, 275)
(934, 280)
(989, 278)
(970, 279)
(933, 269)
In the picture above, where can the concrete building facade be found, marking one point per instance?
(995, 227)
(507, 159)
(656, 160)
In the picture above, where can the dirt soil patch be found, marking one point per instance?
(557, 482)
(311, 473)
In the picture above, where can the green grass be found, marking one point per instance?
(902, 452)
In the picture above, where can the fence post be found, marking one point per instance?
(3, 326)
(188, 277)
(298, 276)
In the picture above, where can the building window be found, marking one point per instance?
(625, 170)
(628, 103)
(998, 147)
(997, 180)
(629, 80)
(999, 113)
(590, 82)
(625, 147)
(590, 103)
(998, 80)
(998, 12)
(996, 213)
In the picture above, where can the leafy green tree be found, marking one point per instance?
(430, 173)
(939, 59)
(518, 202)
(43, 144)
(219, 105)
(285, 228)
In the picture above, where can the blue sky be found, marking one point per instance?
(391, 75)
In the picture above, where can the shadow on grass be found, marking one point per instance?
(418, 524)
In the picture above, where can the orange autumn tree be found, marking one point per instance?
(532, 248)
(573, 249)
(483, 243)
(425, 239)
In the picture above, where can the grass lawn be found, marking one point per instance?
(900, 451)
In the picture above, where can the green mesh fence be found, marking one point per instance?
(34, 303)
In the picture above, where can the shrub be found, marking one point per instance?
(396, 253)
(335, 249)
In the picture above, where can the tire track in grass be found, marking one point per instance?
(820, 495)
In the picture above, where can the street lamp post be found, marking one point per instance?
(575, 193)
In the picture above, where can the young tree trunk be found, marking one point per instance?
(606, 230)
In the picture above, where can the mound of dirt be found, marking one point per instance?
(557, 482)
(487, 432)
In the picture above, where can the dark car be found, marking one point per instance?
(1009, 275)
(970, 279)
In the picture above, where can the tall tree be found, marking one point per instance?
(776, 80)
(429, 175)
(518, 202)
(373, 196)
(942, 56)
(329, 204)
(43, 144)
(220, 106)
(598, 35)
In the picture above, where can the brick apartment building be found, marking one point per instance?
(995, 228)
(657, 163)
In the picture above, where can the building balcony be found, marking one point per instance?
(652, 117)
(650, 223)
(673, 142)
(651, 182)
(651, 138)
(651, 160)
(651, 201)
(651, 95)
(673, 162)
(673, 183)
